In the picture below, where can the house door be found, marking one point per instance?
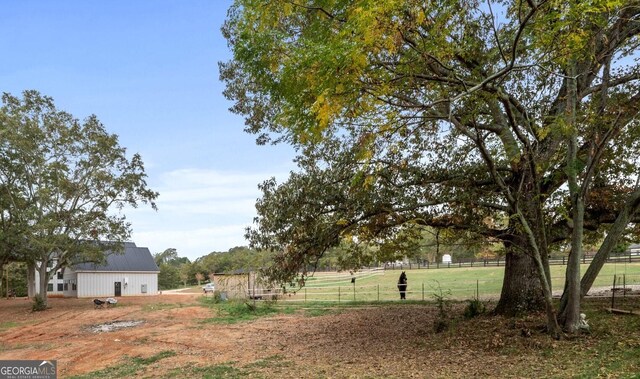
(118, 289)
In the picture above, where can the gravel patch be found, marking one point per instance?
(115, 325)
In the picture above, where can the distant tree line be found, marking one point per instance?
(178, 271)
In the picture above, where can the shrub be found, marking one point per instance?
(441, 297)
(474, 308)
(38, 303)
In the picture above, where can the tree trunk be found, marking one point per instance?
(31, 280)
(44, 281)
(577, 192)
(614, 234)
(521, 288)
(2, 289)
(571, 313)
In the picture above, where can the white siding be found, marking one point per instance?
(53, 281)
(102, 284)
(70, 280)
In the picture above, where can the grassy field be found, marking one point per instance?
(455, 283)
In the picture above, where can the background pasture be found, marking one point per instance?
(454, 283)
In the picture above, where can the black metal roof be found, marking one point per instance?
(132, 259)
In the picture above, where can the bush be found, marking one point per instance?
(474, 308)
(39, 303)
(441, 323)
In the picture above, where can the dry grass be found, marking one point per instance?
(390, 340)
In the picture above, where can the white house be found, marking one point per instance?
(129, 273)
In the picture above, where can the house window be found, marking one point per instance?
(60, 274)
(66, 286)
(144, 288)
(50, 287)
(74, 287)
(60, 287)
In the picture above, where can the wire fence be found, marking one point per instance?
(372, 287)
(356, 293)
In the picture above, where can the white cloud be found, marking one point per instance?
(199, 211)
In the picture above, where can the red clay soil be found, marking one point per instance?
(394, 341)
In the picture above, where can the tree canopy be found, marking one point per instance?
(236, 258)
(512, 120)
(63, 186)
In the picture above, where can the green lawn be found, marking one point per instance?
(456, 283)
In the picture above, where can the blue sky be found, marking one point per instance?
(149, 71)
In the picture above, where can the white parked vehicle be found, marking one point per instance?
(209, 287)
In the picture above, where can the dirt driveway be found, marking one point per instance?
(64, 332)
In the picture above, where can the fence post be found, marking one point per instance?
(624, 287)
(613, 292)
(338, 294)
(305, 295)
(354, 291)
(422, 291)
(378, 292)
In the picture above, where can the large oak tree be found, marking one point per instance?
(64, 184)
(514, 120)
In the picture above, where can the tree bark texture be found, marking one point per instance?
(31, 280)
(571, 314)
(44, 281)
(521, 288)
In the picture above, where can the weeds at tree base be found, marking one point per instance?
(38, 304)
